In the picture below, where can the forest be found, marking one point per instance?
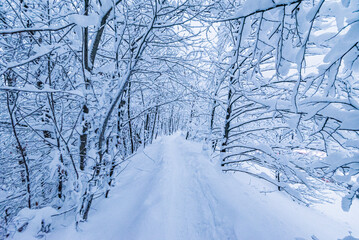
(266, 89)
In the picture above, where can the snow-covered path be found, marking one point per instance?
(180, 205)
(171, 191)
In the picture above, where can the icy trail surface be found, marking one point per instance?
(171, 191)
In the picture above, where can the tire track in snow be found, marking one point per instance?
(190, 190)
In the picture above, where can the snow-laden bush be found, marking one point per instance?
(34, 222)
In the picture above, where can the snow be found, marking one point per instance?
(346, 3)
(254, 6)
(352, 143)
(171, 190)
(46, 89)
(33, 221)
(85, 21)
(314, 11)
(346, 42)
(55, 163)
(349, 119)
(347, 202)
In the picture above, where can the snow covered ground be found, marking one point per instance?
(172, 191)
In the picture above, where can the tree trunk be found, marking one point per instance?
(85, 109)
(226, 124)
(154, 125)
(190, 121)
(129, 117)
(23, 163)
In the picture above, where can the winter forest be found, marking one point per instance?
(179, 119)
